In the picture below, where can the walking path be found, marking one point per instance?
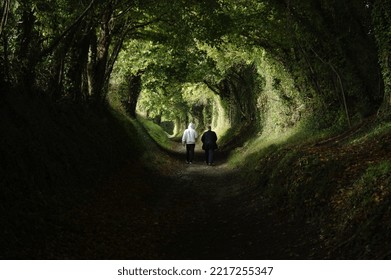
(195, 212)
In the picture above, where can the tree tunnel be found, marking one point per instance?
(81, 80)
(259, 67)
(253, 57)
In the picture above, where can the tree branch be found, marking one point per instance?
(4, 17)
(58, 40)
(340, 84)
(211, 87)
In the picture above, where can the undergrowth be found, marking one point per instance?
(363, 214)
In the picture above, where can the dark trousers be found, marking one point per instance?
(190, 152)
(209, 155)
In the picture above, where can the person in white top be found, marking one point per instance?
(189, 139)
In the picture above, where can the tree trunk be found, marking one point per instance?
(25, 53)
(5, 69)
(134, 93)
(100, 58)
(58, 74)
(79, 61)
(4, 15)
(382, 26)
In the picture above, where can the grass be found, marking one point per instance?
(156, 132)
(376, 130)
(256, 148)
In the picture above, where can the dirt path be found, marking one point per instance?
(218, 215)
(194, 212)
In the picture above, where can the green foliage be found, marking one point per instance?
(281, 105)
(167, 74)
(369, 191)
(157, 133)
(68, 49)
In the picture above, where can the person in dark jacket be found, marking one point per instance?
(209, 139)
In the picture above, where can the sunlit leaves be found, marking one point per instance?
(181, 41)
